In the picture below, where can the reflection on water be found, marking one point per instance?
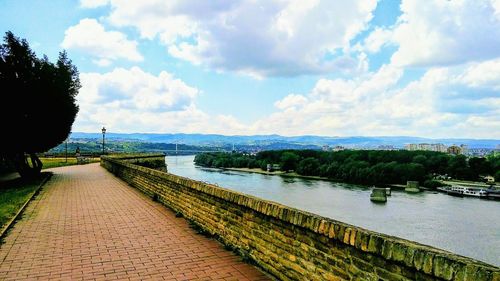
(467, 226)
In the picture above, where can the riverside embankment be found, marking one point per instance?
(294, 244)
(467, 226)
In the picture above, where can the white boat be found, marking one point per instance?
(443, 188)
(459, 190)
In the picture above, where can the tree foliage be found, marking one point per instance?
(361, 166)
(289, 161)
(38, 104)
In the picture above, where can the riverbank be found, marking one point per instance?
(471, 184)
(277, 173)
(393, 186)
(295, 175)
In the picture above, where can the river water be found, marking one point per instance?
(466, 226)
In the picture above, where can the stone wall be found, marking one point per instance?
(296, 245)
(150, 160)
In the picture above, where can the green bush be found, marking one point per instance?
(432, 184)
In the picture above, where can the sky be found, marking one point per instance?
(290, 67)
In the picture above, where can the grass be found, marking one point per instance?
(13, 195)
(60, 162)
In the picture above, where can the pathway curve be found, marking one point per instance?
(87, 224)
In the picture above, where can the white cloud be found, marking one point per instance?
(134, 100)
(444, 102)
(102, 62)
(455, 41)
(136, 89)
(259, 38)
(291, 101)
(90, 37)
(441, 33)
(377, 39)
(496, 6)
(93, 3)
(486, 74)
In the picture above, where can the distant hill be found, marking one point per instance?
(282, 142)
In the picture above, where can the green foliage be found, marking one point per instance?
(226, 160)
(359, 166)
(5, 166)
(457, 167)
(420, 159)
(480, 166)
(288, 161)
(94, 146)
(308, 166)
(38, 98)
(432, 184)
(38, 104)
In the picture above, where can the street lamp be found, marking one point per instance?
(103, 133)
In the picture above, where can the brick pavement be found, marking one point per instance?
(87, 224)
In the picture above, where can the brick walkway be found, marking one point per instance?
(88, 225)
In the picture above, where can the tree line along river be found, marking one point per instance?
(466, 226)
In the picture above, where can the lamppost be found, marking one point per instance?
(103, 133)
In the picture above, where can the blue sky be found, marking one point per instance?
(332, 68)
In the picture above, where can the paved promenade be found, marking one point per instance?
(87, 224)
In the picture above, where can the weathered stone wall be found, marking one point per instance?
(295, 245)
(151, 160)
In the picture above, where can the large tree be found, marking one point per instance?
(289, 161)
(37, 106)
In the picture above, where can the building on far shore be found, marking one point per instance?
(464, 149)
(439, 147)
(456, 150)
(338, 148)
(386, 147)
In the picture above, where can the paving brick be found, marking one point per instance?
(87, 224)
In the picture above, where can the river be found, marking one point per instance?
(466, 226)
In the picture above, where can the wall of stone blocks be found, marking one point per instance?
(150, 160)
(296, 245)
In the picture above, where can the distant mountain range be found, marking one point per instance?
(214, 140)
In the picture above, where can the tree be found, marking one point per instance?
(308, 167)
(419, 159)
(38, 104)
(289, 161)
(457, 167)
(479, 166)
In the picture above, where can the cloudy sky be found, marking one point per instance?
(332, 68)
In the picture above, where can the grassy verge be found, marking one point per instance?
(14, 193)
(470, 183)
(60, 162)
